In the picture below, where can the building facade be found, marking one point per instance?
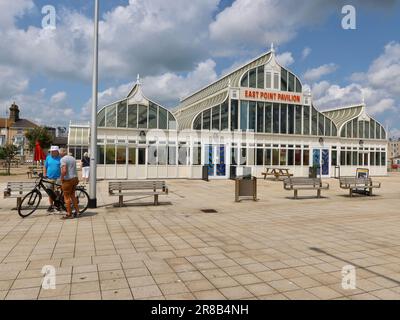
(257, 116)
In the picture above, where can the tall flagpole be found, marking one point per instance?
(93, 122)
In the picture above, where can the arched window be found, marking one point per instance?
(136, 116)
(361, 129)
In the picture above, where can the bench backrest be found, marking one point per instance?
(136, 185)
(19, 188)
(303, 181)
(352, 180)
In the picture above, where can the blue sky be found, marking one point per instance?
(179, 46)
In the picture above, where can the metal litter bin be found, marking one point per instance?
(245, 187)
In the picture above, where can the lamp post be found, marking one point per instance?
(93, 126)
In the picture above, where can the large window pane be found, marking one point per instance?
(276, 81)
(268, 118)
(121, 120)
(234, 115)
(132, 116)
(215, 118)
(328, 125)
(291, 82)
(142, 116)
(283, 118)
(260, 77)
(162, 118)
(267, 157)
(152, 155)
(110, 154)
(162, 155)
(197, 122)
(245, 80)
(297, 157)
(111, 116)
(183, 155)
(298, 86)
(132, 156)
(291, 112)
(153, 116)
(284, 84)
(275, 157)
(172, 156)
(197, 155)
(361, 129)
(306, 157)
(206, 119)
(251, 157)
(334, 161)
(260, 157)
(314, 127)
(298, 119)
(121, 155)
(321, 119)
(260, 117)
(101, 118)
(290, 157)
(100, 154)
(244, 106)
(224, 115)
(252, 78)
(282, 161)
(366, 130)
(306, 120)
(171, 122)
(252, 115)
(142, 156)
(275, 120)
(268, 77)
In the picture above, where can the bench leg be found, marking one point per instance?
(121, 201)
(295, 194)
(156, 199)
(351, 192)
(319, 193)
(370, 191)
(19, 200)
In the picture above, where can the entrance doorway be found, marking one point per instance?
(321, 160)
(215, 159)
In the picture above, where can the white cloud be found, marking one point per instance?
(285, 59)
(12, 81)
(305, 53)
(317, 73)
(58, 97)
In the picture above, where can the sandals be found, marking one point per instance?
(67, 217)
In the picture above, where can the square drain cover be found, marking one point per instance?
(209, 211)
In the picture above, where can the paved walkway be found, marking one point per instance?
(276, 248)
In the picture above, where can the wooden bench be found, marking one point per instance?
(297, 184)
(18, 190)
(357, 184)
(137, 188)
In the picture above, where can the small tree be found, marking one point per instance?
(39, 134)
(8, 153)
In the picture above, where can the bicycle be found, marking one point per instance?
(31, 201)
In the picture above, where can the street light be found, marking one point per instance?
(93, 127)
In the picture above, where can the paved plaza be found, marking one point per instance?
(276, 248)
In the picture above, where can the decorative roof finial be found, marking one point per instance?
(138, 79)
(272, 47)
(363, 99)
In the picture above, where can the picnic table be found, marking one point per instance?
(276, 172)
(34, 171)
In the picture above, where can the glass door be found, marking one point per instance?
(215, 159)
(321, 161)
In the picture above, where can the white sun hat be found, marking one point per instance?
(54, 148)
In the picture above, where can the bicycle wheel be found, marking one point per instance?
(83, 200)
(29, 203)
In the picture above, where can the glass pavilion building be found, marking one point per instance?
(254, 117)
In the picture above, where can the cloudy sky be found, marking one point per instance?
(178, 46)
